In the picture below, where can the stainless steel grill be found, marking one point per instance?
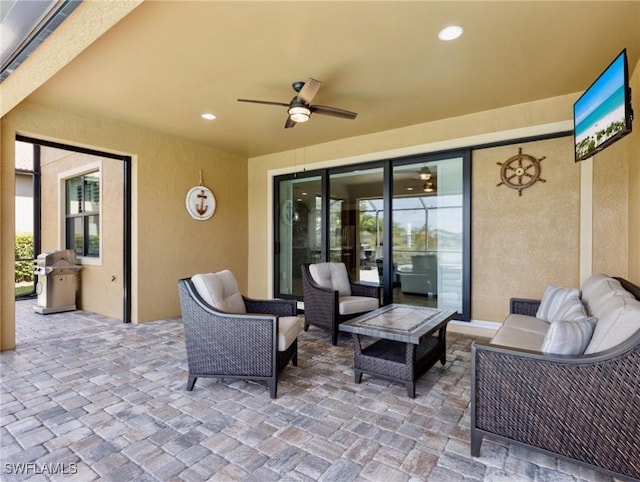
(57, 285)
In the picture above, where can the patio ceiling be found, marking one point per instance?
(167, 62)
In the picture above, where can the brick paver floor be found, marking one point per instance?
(85, 397)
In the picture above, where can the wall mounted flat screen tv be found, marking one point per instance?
(603, 114)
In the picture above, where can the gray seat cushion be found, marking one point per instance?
(516, 338)
(289, 328)
(526, 323)
(349, 305)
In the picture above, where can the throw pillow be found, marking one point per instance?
(552, 299)
(568, 337)
(571, 310)
(617, 324)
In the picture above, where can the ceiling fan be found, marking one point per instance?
(300, 107)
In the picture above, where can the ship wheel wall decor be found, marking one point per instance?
(520, 171)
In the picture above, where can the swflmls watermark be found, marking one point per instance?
(32, 468)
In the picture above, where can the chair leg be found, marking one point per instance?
(294, 359)
(476, 442)
(334, 338)
(306, 327)
(273, 387)
(191, 382)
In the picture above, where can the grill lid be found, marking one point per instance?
(64, 259)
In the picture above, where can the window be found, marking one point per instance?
(82, 214)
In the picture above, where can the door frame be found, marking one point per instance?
(127, 233)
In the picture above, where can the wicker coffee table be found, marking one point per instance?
(408, 344)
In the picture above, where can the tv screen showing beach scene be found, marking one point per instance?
(600, 115)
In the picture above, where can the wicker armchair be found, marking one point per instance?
(584, 408)
(331, 297)
(255, 345)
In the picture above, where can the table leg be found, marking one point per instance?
(443, 339)
(410, 361)
(357, 349)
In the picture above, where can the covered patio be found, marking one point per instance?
(99, 399)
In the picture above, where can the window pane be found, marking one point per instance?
(24, 156)
(93, 228)
(92, 193)
(75, 235)
(74, 195)
(355, 235)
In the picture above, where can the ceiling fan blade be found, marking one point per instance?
(289, 123)
(309, 90)
(333, 111)
(268, 102)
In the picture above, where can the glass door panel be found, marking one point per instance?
(299, 234)
(355, 222)
(427, 213)
(25, 225)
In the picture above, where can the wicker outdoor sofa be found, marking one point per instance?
(585, 407)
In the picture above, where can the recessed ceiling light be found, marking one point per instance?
(208, 116)
(451, 32)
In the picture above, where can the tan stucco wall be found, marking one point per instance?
(539, 232)
(100, 281)
(522, 243)
(634, 184)
(7, 240)
(610, 209)
(167, 243)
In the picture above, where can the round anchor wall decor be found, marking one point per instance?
(201, 203)
(520, 171)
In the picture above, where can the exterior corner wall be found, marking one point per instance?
(167, 244)
(7, 237)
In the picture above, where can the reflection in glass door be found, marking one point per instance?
(427, 212)
(299, 233)
(355, 222)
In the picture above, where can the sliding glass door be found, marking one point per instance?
(428, 233)
(299, 231)
(403, 224)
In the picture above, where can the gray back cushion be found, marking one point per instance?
(331, 275)
(220, 290)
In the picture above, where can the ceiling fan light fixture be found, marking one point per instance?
(425, 174)
(299, 113)
(451, 32)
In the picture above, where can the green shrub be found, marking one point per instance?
(24, 250)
